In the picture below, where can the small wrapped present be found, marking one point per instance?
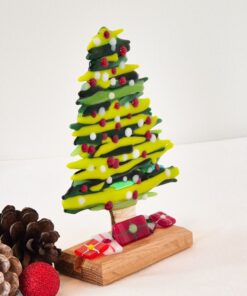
(107, 238)
(162, 220)
(130, 230)
(91, 249)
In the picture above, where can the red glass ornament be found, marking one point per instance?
(110, 161)
(144, 154)
(122, 80)
(84, 188)
(102, 122)
(115, 139)
(104, 136)
(109, 206)
(114, 71)
(91, 149)
(135, 194)
(118, 125)
(116, 163)
(104, 62)
(135, 102)
(148, 135)
(117, 105)
(92, 82)
(157, 167)
(84, 148)
(123, 51)
(94, 114)
(148, 120)
(129, 115)
(107, 34)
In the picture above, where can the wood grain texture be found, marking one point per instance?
(135, 256)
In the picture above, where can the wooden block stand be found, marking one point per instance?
(135, 256)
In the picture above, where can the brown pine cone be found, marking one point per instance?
(31, 239)
(10, 270)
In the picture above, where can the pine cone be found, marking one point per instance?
(31, 239)
(10, 270)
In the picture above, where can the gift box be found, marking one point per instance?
(162, 220)
(91, 249)
(106, 238)
(130, 230)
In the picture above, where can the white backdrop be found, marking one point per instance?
(194, 53)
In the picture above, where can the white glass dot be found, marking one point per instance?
(127, 105)
(128, 195)
(113, 41)
(144, 196)
(102, 168)
(135, 178)
(113, 47)
(90, 168)
(111, 95)
(131, 82)
(85, 86)
(125, 178)
(136, 153)
(109, 180)
(149, 170)
(140, 122)
(122, 65)
(96, 41)
(81, 200)
(128, 132)
(101, 111)
(124, 157)
(113, 81)
(105, 76)
(153, 138)
(168, 172)
(117, 119)
(97, 75)
(93, 136)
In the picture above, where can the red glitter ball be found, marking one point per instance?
(107, 34)
(129, 115)
(110, 161)
(104, 63)
(148, 120)
(157, 167)
(117, 105)
(114, 71)
(104, 136)
(135, 194)
(115, 139)
(116, 163)
(94, 114)
(144, 154)
(123, 51)
(122, 80)
(38, 279)
(135, 102)
(102, 122)
(118, 125)
(109, 206)
(148, 135)
(92, 82)
(84, 188)
(91, 149)
(84, 148)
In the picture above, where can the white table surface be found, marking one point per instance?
(210, 199)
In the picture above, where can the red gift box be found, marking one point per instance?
(162, 220)
(91, 249)
(130, 230)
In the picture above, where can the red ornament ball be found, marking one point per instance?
(84, 148)
(84, 188)
(92, 82)
(123, 51)
(104, 136)
(122, 80)
(115, 139)
(104, 62)
(94, 114)
(118, 126)
(135, 102)
(114, 71)
(117, 105)
(39, 279)
(109, 206)
(107, 34)
(148, 120)
(102, 122)
(135, 194)
(91, 149)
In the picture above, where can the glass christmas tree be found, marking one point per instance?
(117, 147)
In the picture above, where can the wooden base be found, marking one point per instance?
(135, 256)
